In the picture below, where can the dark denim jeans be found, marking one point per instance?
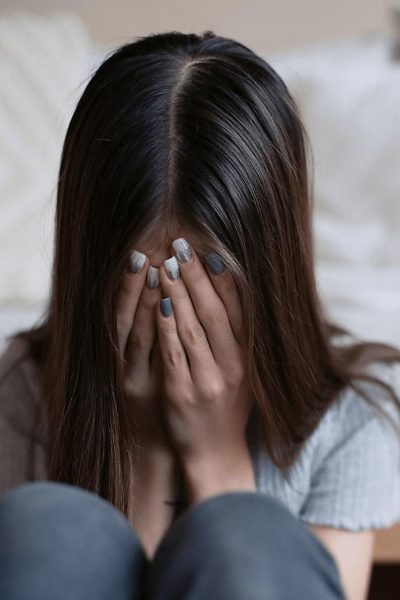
(62, 542)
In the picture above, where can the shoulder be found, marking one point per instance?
(19, 386)
(22, 444)
(15, 351)
(355, 482)
(351, 411)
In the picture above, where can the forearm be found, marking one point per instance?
(219, 475)
(156, 481)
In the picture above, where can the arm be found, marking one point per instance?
(234, 474)
(21, 458)
(156, 480)
(353, 553)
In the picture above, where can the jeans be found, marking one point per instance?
(59, 542)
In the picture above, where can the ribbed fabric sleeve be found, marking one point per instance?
(355, 483)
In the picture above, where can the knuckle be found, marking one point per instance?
(138, 341)
(193, 333)
(148, 299)
(134, 388)
(215, 318)
(186, 399)
(175, 357)
(215, 388)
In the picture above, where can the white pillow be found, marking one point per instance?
(43, 61)
(348, 92)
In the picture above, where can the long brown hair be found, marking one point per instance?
(195, 129)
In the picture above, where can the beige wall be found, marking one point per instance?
(264, 25)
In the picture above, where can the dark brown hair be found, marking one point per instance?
(195, 129)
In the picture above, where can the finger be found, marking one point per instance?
(225, 286)
(189, 329)
(175, 364)
(209, 306)
(128, 295)
(155, 360)
(143, 333)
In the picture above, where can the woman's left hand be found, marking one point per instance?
(207, 399)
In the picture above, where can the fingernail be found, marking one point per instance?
(136, 261)
(182, 249)
(172, 268)
(215, 263)
(153, 279)
(166, 306)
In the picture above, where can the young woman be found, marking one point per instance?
(185, 352)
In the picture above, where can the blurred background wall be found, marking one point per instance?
(265, 25)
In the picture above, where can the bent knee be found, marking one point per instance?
(49, 501)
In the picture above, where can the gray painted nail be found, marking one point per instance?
(182, 249)
(153, 279)
(172, 268)
(136, 261)
(215, 263)
(166, 306)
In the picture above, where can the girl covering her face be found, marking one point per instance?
(195, 137)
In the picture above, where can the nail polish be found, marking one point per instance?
(166, 306)
(172, 267)
(136, 261)
(153, 279)
(182, 249)
(215, 263)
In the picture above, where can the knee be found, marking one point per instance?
(31, 491)
(29, 498)
(53, 506)
(255, 520)
(52, 532)
(244, 503)
(42, 499)
(243, 511)
(233, 519)
(227, 521)
(40, 516)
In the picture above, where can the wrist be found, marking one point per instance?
(213, 476)
(154, 466)
(152, 452)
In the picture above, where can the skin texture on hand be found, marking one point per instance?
(206, 394)
(140, 353)
(185, 373)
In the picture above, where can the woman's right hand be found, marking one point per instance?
(140, 350)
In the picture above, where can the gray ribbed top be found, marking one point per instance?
(347, 476)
